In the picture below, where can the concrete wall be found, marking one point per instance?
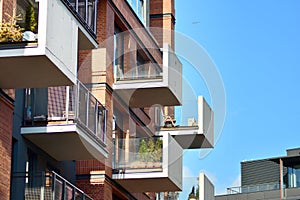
(206, 188)
(62, 36)
(174, 161)
(172, 71)
(206, 122)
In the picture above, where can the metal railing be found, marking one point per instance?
(253, 188)
(138, 154)
(44, 186)
(66, 104)
(85, 11)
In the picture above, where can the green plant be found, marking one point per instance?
(30, 21)
(143, 151)
(9, 30)
(151, 150)
(157, 154)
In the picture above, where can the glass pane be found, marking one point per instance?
(58, 190)
(82, 115)
(92, 114)
(138, 153)
(101, 124)
(91, 14)
(72, 3)
(81, 9)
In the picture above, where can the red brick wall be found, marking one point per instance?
(98, 191)
(166, 22)
(107, 16)
(6, 112)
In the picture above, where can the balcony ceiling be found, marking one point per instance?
(148, 185)
(188, 137)
(146, 97)
(30, 71)
(65, 142)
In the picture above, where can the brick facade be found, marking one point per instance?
(6, 112)
(96, 69)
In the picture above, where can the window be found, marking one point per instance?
(294, 176)
(140, 7)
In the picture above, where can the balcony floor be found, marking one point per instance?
(65, 142)
(146, 97)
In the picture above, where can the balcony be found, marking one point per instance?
(68, 123)
(148, 84)
(148, 165)
(44, 185)
(198, 134)
(43, 51)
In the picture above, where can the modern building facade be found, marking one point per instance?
(96, 82)
(271, 178)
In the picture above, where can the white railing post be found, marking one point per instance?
(67, 102)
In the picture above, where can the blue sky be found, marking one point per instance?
(256, 48)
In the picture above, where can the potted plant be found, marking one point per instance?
(9, 30)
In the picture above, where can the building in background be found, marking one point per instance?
(96, 82)
(271, 178)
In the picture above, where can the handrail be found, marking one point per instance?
(66, 104)
(253, 188)
(47, 185)
(89, 18)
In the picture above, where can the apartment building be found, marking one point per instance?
(270, 178)
(95, 84)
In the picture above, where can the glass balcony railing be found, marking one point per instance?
(144, 72)
(20, 24)
(253, 188)
(85, 11)
(44, 185)
(138, 154)
(64, 105)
